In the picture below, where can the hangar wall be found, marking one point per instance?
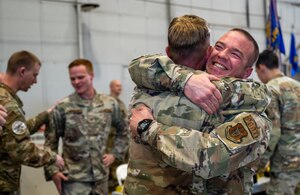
(112, 35)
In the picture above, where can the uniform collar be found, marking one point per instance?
(279, 75)
(12, 93)
(81, 101)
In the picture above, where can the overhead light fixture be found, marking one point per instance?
(86, 7)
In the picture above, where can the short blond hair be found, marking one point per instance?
(21, 59)
(186, 33)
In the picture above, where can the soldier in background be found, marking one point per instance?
(284, 149)
(16, 147)
(83, 121)
(115, 91)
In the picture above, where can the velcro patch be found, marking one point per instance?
(19, 128)
(236, 133)
(11, 116)
(241, 131)
(251, 124)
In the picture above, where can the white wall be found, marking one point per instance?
(113, 34)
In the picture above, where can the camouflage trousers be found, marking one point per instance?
(112, 177)
(85, 188)
(283, 183)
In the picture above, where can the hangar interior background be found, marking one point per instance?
(111, 35)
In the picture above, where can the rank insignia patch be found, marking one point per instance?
(236, 133)
(19, 127)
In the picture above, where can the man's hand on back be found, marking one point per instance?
(203, 93)
(3, 114)
(60, 163)
(139, 113)
(57, 178)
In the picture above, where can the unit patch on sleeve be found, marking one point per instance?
(239, 132)
(236, 133)
(19, 127)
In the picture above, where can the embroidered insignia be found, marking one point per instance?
(19, 127)
(76, 111)
(251, 124)
(236, 133)
(107, 111)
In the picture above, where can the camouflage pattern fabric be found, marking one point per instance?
(284, 111)
(149, 174)
(232, 145)
(283, 183)
(16, 147)
(159, 73)
(84, 126)
(113, 182)
(83, 188)
(217, 151)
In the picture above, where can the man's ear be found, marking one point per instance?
(263, 68)
(168, 52)
(248, 72)
(21, 71)
(92, 75)
(209, 50)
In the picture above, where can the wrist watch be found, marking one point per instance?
(143, 126)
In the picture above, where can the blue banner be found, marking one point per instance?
(274, 34)
(293, 56)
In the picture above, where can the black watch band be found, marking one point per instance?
(143, 126)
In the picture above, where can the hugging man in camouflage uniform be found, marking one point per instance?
(221, 149)
(83, 121)
(284, 149)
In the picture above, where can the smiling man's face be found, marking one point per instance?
(230, 56)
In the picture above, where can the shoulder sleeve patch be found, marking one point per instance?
(236, 133)
(239, 133)
(19, 128)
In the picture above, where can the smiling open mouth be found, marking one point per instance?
(220, 66)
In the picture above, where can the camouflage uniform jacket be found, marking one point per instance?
(284, 111)
(84, 126)
(192, 151)
(112, 133)
(16, 147)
